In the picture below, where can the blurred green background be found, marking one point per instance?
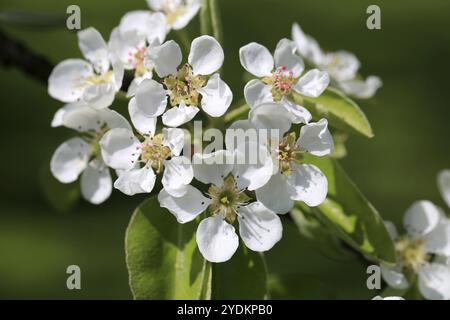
(409, 115)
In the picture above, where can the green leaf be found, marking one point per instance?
(341, 112)
(244, 276)
(162, 256)
(350, 215)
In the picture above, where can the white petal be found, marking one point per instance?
(191, 9)
(216, 239)
(239, 132)
(142, 122)
(85, 119)
(66, 82)
(256, 59)
(124, 47)
(96, 183)
(438, 240)
(120, 148)
(361, 89)
(299, 113)
(392, 230)
(136, 181)
(253, 165)
(271, 116)
(176, 116)
(308, 184)
(166, 58)
(387, 298)
(394, 276)
(275, 195)
(316, 139)
(256, 93)
(285, 57)
(178, 173)
(100, 96)
(151, 98)
(70, 159)
(341, 65)
(147, 25)
(118, 73)
(434, 281)
(313, 83)
(186, 207)
(206, 55)
(94, 48)
(259, 227)
(216, 96)
(58, 117)
(421, 218)
(443, 182)
(156, 28)
(174, 139)
(213, 167)
(306, 45)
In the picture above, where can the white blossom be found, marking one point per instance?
(178, 13)
(95, 81)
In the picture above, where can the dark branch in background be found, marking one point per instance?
(15, 54)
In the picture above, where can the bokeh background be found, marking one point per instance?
(43, 228)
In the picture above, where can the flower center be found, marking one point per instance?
(93, 137)
(97, 79)
(154, 152)
(136, 59)
(227, 199)
(412, 253)
(281, 81)
(173, 11)
(184, 86)
(287, 153)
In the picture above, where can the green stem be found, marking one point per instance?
(205, 19)
(184, 38)
(216, 20)
(122, 95)
(236, 113)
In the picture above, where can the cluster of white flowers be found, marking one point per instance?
(228, 187)
(424, 252)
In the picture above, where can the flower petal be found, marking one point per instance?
(70, 159)
(421, 218)
(85, 119)
(313, 83)
(259, 227)
(443, 182)
(94, 48)
(58, 117)
(66, 82)
(142, 122)
(316, 139)
(285, 57)
(256, 93)
(120, 148)
(216, 96)
(256, 59)
(174, 139)
(212, 167)
(166, 58)
(275, 195)
(187, 207)
(308, 184)
(96, 183)
(299, 113)
(136, 180)
(191, 9)
(438, 239)
(306, 45)
(394, 276)
(100, 96)
(361, 89)
(151, 98)
(216, 239)
(176, 116)
(206, 55)
(341, 65)
(253, 165)
(178, 173)
(239, 132)
(434, 281)
(392, 230)
(271, 116)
